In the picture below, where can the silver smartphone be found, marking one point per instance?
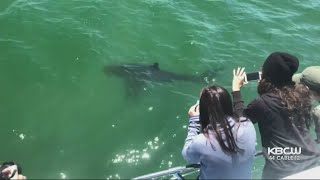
(253, 76)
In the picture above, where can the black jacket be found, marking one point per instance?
(278, 133)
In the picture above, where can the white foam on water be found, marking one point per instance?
(156, 139)
(63, 175)
(145, 156)
(22, 136)
(134, 156)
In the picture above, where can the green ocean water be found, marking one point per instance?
(62, 117)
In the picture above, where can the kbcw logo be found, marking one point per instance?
(284, 151)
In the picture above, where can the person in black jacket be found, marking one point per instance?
(283, 113)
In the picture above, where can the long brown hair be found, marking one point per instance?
(297, 98)
(215, 109)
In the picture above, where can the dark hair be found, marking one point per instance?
(215, 109)
(297, 98)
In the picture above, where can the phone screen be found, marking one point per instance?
(254, 76)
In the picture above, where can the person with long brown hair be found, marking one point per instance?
(283, 113)
(223, 143)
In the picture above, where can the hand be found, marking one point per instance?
(238, 79)
(21, 177)
(194, 110)
(16, 176)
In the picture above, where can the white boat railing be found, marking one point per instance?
(313, 173)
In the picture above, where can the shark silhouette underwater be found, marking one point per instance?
(137, 75)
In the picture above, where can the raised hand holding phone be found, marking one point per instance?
(238, 79)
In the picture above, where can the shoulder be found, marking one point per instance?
(243, 124)
(197, 140)
(258, 99)
(245, 130)
(200, 139)
(256, 104)
(265, 99)
(246, 124)
(199, 144)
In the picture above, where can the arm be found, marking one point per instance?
(255, 110)
(237, 83)
(189, 151)
(238, 104)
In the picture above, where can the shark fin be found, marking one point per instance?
(156, 66)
